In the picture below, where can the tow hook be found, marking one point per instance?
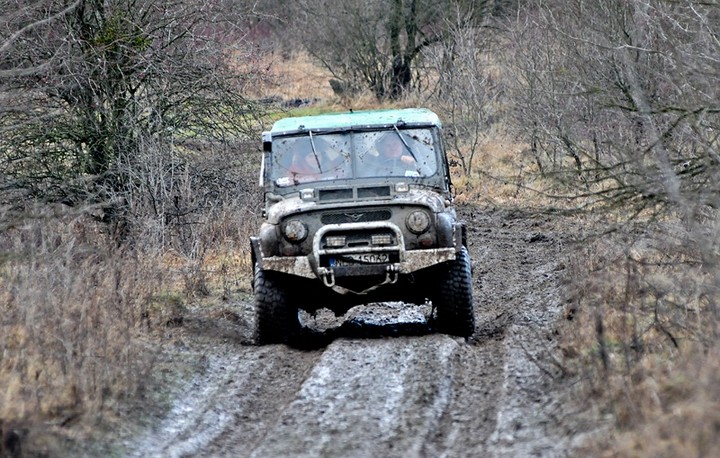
(329, 278)
(391, 276)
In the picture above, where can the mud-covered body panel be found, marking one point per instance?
(341, 216)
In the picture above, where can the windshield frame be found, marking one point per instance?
(420, 142)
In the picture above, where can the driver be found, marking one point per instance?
(392, 149)
(392, 158)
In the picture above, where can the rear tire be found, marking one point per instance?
(276, 320)
(453, 301)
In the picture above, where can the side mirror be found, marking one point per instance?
(267, 142)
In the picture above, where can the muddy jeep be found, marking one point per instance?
(358, 210)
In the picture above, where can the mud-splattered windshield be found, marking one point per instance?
(388, 153)
(308, 158)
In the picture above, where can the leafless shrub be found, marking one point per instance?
(73, 310)
(617, 102)
(465, 90)
(378, 44)
(85, 85)
(80, 297)
(645, 308)
(619, 98)
(198, 202)
(146, 131)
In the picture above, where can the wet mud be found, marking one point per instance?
(380, 381)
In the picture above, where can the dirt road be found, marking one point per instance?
(382, 383)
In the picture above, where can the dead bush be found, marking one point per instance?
(646, 337)
(195, 205)
(73, 316)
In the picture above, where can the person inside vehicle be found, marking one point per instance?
(305, 162)
(317, 161)
(393, 157)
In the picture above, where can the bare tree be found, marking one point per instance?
(628, 92)
(82, 84)
(465, 88)
(377, 44)
(620, 100)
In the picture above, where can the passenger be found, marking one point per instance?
(319, 163)
(305, 162)
(392, 149)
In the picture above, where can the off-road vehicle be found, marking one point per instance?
(358, 210)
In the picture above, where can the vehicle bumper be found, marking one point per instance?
(413, 261)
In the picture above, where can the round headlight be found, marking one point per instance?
(418, 222)
(295, 231)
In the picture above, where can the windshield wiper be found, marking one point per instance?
(312, 145)
(402, 139)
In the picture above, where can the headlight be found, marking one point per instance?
(295, 231)
(418, 222)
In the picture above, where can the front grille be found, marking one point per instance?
(371, 192)
(336, 194)
(356, 216)
(375, 191)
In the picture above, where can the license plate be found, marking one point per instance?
(365, 258)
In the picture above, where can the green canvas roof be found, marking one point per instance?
(356, 120)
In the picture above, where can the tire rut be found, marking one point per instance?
(427, 394)
(240, 392)
(378, 398)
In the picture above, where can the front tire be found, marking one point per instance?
(453, 302)
(276, 320)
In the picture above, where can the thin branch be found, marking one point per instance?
(34, 25)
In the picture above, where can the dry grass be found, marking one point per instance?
(643, 336)
(74, 311)
(642, 322)
(502, 174)
(84, 317)
(292, 76)
(681, 409)
(298, 76)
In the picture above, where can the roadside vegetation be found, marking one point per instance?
(129, 141)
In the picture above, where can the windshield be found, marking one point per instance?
(387, 153)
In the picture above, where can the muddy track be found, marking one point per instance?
(382, 383)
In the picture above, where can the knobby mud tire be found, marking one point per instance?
(454, 309)
(277, 320)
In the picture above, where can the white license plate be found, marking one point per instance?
(365, 258)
